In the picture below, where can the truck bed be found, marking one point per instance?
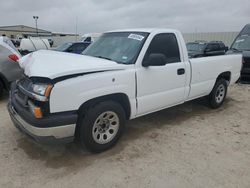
(206, 69)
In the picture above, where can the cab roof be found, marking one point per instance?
(146, 30)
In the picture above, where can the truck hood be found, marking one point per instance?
(52, 64)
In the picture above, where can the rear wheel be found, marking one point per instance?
(101, 126)
(218, 94)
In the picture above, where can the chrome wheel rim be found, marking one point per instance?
(220, 93)
(105, 127)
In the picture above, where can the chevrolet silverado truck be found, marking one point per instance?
(123, 75)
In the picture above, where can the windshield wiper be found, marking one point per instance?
(106, 58)
(103, 57)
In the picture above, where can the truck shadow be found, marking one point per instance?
(72, 157)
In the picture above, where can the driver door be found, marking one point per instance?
(161, 86)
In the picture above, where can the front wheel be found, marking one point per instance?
(101, 126)
(218, 94)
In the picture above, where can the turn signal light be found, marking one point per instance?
(38, 112)
(48, 90)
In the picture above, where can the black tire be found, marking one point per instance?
(1, 88)
(89, 119)
(216, 97)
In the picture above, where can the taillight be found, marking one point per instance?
(14, 57)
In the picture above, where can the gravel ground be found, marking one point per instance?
(186, 146)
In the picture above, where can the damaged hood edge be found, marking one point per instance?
(55, 65)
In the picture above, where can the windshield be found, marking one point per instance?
(195, 47)
(63, 47)
(242, 43)
(121, 47)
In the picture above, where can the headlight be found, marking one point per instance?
(41, 91)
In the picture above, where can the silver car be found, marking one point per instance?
(9, 67)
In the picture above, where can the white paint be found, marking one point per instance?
(53, 64)
(152, 88)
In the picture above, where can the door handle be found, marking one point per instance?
(181, 71)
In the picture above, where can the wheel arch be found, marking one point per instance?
(225, 75)
(121, 98)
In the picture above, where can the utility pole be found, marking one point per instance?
(76, 28)
(36, 18)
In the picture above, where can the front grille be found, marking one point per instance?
(20, 95)
(25, 82)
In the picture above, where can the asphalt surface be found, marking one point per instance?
(189, 145)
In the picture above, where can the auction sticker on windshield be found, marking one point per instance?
(136, 37)
(241, 40)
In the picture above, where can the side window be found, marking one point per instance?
(80, 47)
(216, 47)
(165, 43)
(88, 39)
(209, 47)
(213, 47)
(72, 48)
(222, 46)
(77, 47)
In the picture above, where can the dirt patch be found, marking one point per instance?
(189, 145)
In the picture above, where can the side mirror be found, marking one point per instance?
(226, 48)
(155, 60)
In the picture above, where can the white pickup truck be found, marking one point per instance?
(123, 75)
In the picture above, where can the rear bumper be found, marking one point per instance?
(59, 134)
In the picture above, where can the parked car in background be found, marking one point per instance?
(51, 42)
(125, 74)
(241, 45)
(28, 45)
(73, 47)
(16, 41)
(203, 49)
(90, 37)
(9, 67)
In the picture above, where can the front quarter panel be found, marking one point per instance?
(70, 94)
